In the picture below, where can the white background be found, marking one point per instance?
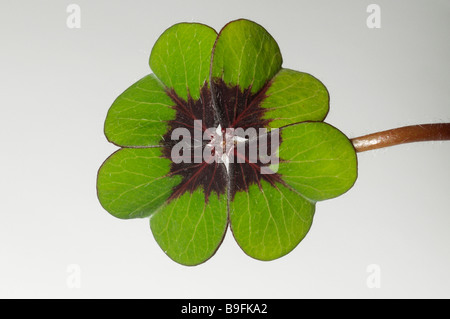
(58, 83)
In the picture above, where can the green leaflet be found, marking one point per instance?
(181, 58)
(295, 97)
(132, 183)
(270, 222)
(190, 230)
(139, 116)
(245, 54)
(317, 160)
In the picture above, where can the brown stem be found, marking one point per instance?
(401, 135)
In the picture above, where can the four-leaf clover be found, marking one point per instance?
(230, 80)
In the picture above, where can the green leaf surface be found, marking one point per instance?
(181, 58)
(295, 97)
(317, 160)
(190, 230)
(270, 222)
(132, 183)
(139, 116)
(245, 54)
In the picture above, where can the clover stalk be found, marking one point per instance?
(402, 135)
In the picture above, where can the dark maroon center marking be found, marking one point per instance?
(230, 108)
